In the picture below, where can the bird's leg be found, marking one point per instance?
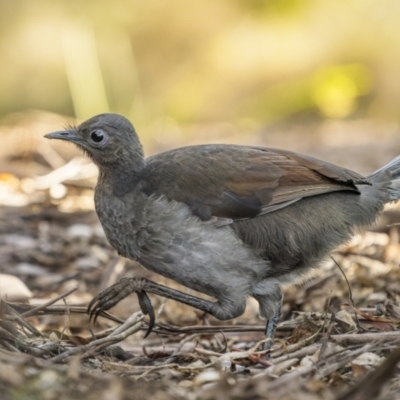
(270, 309)
(108, 298)
(271, 327)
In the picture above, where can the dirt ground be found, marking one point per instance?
(331, 343)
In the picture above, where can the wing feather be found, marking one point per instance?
(237, 182)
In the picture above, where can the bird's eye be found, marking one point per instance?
(97, 136)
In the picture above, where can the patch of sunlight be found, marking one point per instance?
(335, 89)
(83, 70)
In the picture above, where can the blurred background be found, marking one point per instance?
(270, 72)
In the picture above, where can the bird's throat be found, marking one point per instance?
(121, 178)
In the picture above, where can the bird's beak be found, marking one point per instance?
(70, 136)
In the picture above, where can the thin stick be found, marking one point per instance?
(350, 293)
(49, 303)
(365, 337)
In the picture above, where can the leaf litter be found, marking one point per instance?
(54, 258)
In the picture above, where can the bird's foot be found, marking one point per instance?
(268, 344)
(111, 296)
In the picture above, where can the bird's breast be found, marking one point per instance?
(120, 220)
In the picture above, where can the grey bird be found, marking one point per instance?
(225, 220)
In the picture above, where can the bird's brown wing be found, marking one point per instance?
(237, 182)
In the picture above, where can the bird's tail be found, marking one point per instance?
(389, 176)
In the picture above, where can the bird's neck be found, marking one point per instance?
(122, 177)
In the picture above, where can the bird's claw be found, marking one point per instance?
(111, 296)
(147, 309)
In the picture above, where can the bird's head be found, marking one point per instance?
(108, 139)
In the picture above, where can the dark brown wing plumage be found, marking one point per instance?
(237, 182)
